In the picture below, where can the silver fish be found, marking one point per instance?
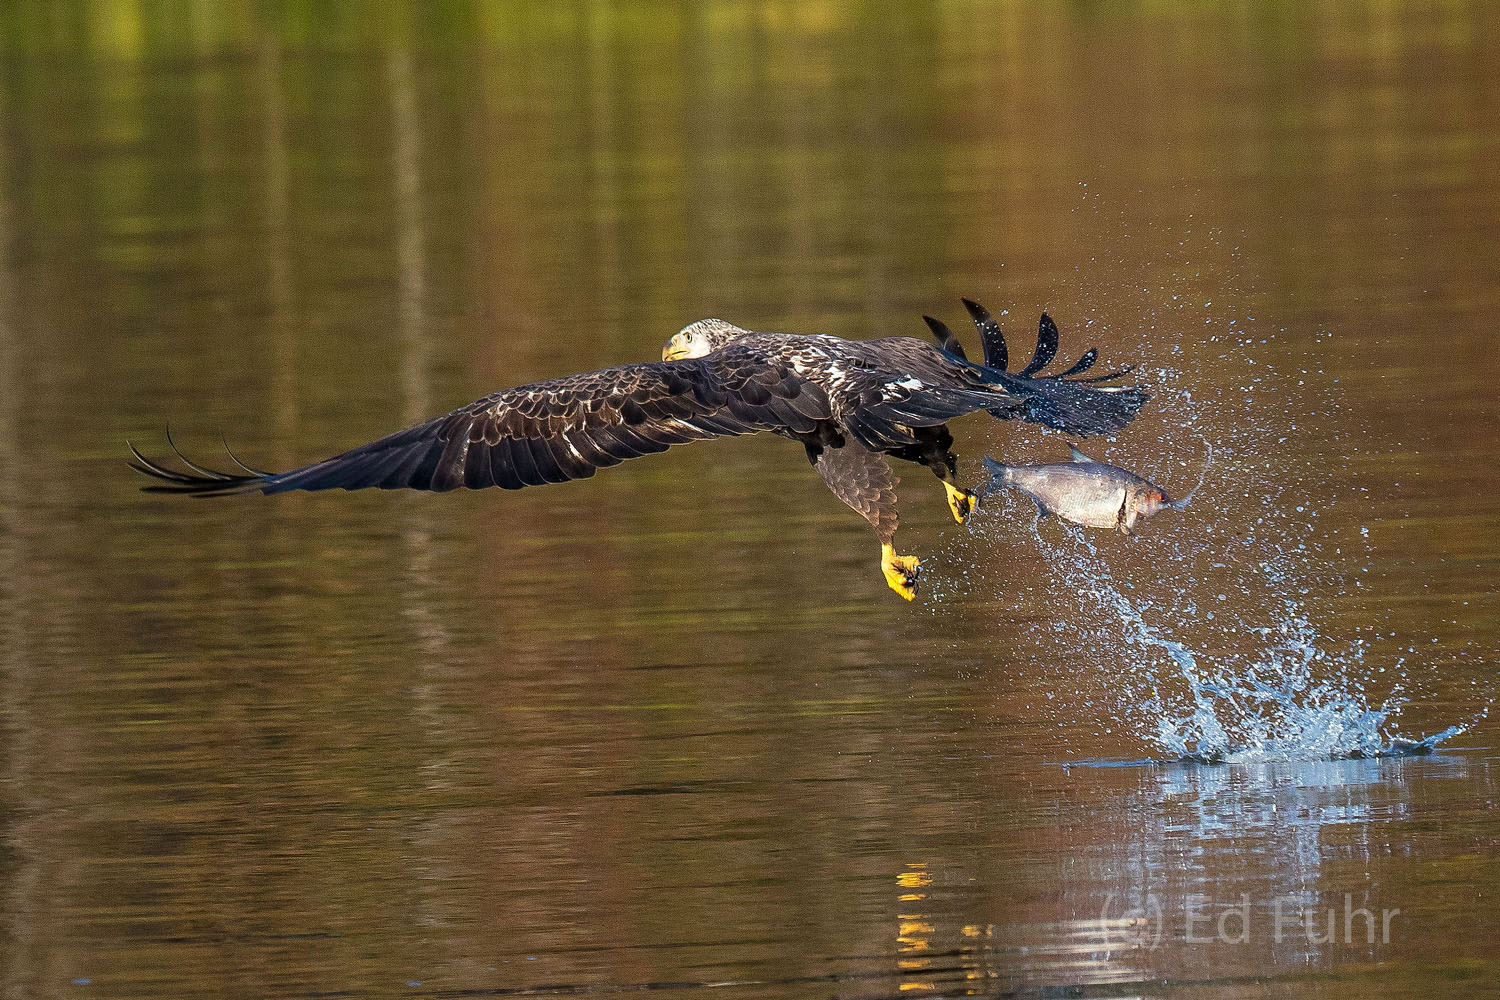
(1084, 491)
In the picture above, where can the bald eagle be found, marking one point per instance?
(848, 402)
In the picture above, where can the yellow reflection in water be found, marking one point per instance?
(913, 929)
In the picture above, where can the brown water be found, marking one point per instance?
(667, 728)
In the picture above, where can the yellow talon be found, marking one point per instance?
(960, 501)
(900, 571)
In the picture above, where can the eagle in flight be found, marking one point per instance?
(849, 403)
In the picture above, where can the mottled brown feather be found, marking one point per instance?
(863, 480)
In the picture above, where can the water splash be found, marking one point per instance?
(1226, 612)
(1186, 499)
(1210, 634)
(1287, 692)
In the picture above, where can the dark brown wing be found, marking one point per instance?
(1046, 346)
(991, 338)
(551, 432)
(945, 337)
(879, 390)
(1064, 401)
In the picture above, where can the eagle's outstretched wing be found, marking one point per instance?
(1065, 400)
(567, 428)
(992, 339)
(549, 432)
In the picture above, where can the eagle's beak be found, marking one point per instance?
(676, 348)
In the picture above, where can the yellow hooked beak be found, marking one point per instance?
(676, 348)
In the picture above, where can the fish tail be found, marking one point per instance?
(999, 476)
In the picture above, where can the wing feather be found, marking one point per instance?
(546, 462)
(1046, 347)
(478, 474)
(403, 469)
(1080, 366)
(589, 451)
(520, 459)
(502, 468)
(991, 337)
(945, 337)
(449, 474)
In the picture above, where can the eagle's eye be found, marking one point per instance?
(685, 345)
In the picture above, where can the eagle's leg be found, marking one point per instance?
(932, 450)
(863, 480)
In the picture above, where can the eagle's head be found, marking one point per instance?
(700, 338)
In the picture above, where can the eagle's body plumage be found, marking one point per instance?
(848, 402)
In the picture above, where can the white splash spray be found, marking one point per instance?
(1291, 694)
(1215, 640)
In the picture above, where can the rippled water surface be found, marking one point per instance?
(667, 728)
